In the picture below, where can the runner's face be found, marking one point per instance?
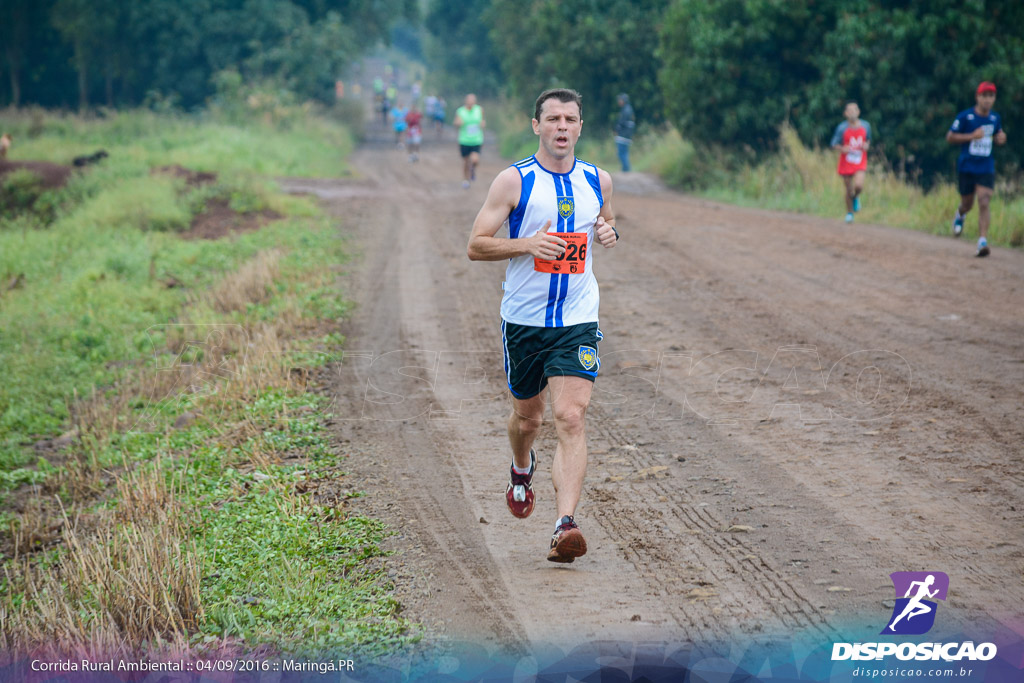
(986, 100)
(852, 111)
(559, 127)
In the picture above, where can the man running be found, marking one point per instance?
(398, 123)
(852, 139)
(975, 130)
(469, 119)
(556, 207)
(414, 135)
(440, 111)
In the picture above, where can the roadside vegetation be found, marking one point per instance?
(793, 178)
(167, 480)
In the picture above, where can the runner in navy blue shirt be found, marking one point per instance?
(975, 130)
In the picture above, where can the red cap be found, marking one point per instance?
(986, 86)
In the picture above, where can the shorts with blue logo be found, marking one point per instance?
(532, 354)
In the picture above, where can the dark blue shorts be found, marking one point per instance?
(532, 354)
(969, 182)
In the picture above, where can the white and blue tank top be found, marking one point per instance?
(572, 202)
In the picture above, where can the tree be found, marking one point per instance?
(912, 66)
(735, 70)
(460, 47)
(598, 47)
(14, 34)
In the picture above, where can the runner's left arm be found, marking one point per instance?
(604, 228)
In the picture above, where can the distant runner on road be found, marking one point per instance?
(852, 139)
(975, 130)
(414, 136)
(556, 207)
(469, 119)
(398, 113)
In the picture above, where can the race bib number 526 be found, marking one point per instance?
(572, 261)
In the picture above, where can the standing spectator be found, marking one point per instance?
(624, 129)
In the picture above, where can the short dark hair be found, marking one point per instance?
(562, 95)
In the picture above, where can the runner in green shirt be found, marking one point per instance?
(469, 119)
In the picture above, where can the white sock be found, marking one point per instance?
(515, 468)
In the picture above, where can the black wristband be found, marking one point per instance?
(616, 233)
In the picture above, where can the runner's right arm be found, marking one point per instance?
(501, 200)
(960, 138)
(837, 138)
(955, 137)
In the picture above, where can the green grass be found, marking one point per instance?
(316, 148)
(87, 296)
(279, 572)
(804, 180)
(276, 571)
(278, 567)
(795, 179)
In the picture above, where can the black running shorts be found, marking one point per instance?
(532, 354)
(968, 182)
(466, 150)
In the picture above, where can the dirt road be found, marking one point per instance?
(789, 409)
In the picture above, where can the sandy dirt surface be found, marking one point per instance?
(789, 409)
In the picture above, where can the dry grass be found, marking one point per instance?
(34, 528)
(132, 581)
(127, 580)
(250, 284)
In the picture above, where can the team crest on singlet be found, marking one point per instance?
(565, 206)
(588, 357)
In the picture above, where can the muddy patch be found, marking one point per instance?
(219, 220)
(192, 178)
(51, 176)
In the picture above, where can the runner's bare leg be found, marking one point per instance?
(523, 424)
(984, 215)
(858, 183)
(848, 181)
(966, 202)
(570, 397)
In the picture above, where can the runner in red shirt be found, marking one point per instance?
(852, 139)
(414, 135)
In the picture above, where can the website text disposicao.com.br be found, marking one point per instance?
(909, 672)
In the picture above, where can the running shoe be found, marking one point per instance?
(982, 247)
(958, 224)
(519, 492)
(465, 184)
(567, 543)
(856, 204)
(849, 218)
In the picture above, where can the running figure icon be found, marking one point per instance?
(916, 607)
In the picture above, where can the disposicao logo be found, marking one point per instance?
(916, 592)
(913, 615)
